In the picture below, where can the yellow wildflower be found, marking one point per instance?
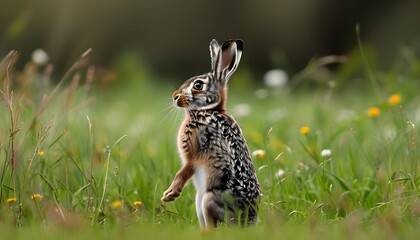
(394, 99)
(117, 204)
(11, 200)
(41, 153)
(137, 203)
(36, 197)
(373, 112)
(304, 130)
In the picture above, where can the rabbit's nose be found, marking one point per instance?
(177, 96)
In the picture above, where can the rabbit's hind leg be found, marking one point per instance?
(199, 209)
(215, 209)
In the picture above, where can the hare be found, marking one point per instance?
(213, 148)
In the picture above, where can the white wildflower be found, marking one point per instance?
(326, 153)
(345, 115)
(276, 78)
(277, 114)
(301, 167)
(280, 173)
(390, 133)
(261, 93)
(241, 110)
(258, 153)
(40, 57)
(331, 84)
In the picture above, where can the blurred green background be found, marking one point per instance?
(171, 36)
(94, 134)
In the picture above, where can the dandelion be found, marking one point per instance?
(394, 99)
(137, 203)
(304, 130)
(41, 153)
(11, 200)
(117, 204)
(258, 153)
(36, 197)
(326, 153)
(373, 112)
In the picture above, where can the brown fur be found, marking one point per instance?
(212, 146)
(187, 144)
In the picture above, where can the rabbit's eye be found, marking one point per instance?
(198, 85)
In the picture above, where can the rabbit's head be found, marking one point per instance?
(208, 91)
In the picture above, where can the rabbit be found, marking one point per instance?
(212, 147)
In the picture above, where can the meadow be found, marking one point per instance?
(88, 155)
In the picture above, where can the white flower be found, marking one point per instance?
(241, 110)
(40, 57)
(331, 84)
(277, 114)
(301, 167)
(280, 173)
(258, 153)
(390, 133)
(325, 153)
(345, 115)
(261, 93)
(275, 78)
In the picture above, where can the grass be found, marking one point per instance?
(82, 160)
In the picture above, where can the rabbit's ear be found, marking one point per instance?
(214, 52)
(228, 59)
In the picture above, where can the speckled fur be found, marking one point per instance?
(212, 146)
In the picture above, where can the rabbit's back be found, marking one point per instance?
(220, 142)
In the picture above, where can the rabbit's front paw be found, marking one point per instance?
(170, 195)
